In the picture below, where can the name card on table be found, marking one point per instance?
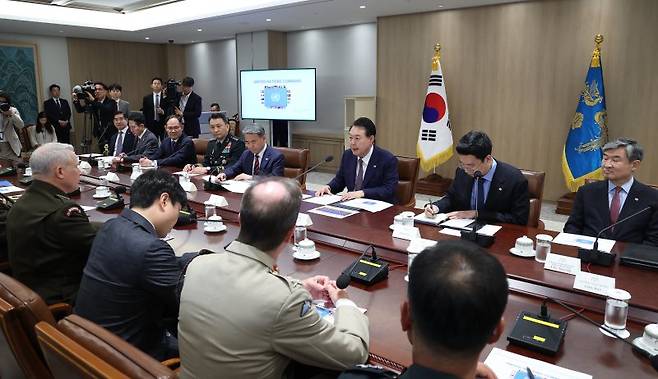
(406, 232)
(562, 263)
(216, 200)
(599, 284)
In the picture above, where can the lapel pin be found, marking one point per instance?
(500, 188)
(374, 166)
(636, 199)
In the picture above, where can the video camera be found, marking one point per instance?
(86, 87)
(4, 107)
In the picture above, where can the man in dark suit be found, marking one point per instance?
(258, 160)
(58, 112)
(502, 191)
(129, 283)
(122, 140)
(365, 169)
(176, 150)
(102, 109)
(154, 114)
(146, 143)
(189, 108)
(222, 151)
(602, 203)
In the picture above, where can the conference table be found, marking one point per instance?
(341, 241)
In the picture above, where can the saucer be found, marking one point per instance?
(311, 257)
(97, 196)
(217, 230)
(518, 253)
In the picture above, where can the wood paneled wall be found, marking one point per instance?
(130, 64)
(515, 71)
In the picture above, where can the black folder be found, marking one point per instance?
(640, 255)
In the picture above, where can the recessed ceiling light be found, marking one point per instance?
(192, 41)
(440, 6)
(268, 19)
(199, 30)
(61, 31)
(362, 6)
(147, 37)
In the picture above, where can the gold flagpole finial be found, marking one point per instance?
(437, 56)
(596, 55)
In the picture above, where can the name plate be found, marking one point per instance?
(562, 263)
(599, 284)
(406, 232)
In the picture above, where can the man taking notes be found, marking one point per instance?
(365, 169)
(602, 203)
(176, 150)
(258, 160)
(502, 191)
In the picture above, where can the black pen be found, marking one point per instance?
(530, 374)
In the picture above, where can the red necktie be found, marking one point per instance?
(615, 206)
(256, 165)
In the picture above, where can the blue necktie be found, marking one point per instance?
(480, 199)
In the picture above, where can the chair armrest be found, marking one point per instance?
(60, 310)
(172, 363)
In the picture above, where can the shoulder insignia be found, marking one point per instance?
(307, 305)
(73, 211)
(62, 197)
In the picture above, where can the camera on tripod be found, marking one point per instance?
(86, 87)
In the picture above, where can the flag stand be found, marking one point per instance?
(434, 185)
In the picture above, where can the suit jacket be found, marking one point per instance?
(55, 113)
(591, 213)
(148, 109)
(129, 283)
(508, 200)
(10, 124)
(144, 147)
(128, 141)
(103, 113)
(380, 180)
(191, 115)
(178, 154)
(271, 164)
(241, 318)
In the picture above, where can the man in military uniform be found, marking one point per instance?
(49, 235)
(241, 318)
(222, 151)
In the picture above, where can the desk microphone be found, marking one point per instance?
(327, 159)
(115, 201)
(471, 235)
(595, 256)
(25, 180)
(344, 278)
(365, 271)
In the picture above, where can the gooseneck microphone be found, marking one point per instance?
(114, 201)
(472, 235)
(345, 277)
(595, 256)
(327, 159)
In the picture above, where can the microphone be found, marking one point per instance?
(652, 358)
(367, 272)
(471, 235)
(595, 256)
(25, 180)
(113, 202)
(345, 278)
(327, 159)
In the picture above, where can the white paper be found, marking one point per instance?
(486, 230)
(585, 242)
(562, 263)
(216, 200)
(599, 284)
(10, 189)
(90, 155)
(439, 218)
(303, 220)
(506, 364)
(236, 186)
(369, 205)
(206, 178)
(305, 196)
(188, 173)
(87, 208)
(406, 233)
(451, 232)
(458, 223)
(324, 199)
(419, 244)
(334, 212)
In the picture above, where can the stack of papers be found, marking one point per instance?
(367, 204)
(439, 218)
(10, 189)
(236, 186)
(333, 212)
(324, 199)
(487, 230)
(506, 364)
(458, 223)
(584, 242)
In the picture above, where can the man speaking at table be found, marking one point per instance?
(240, 318)
(602, 203)
(365, 169)
(502, 191)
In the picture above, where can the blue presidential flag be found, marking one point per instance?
(582, 155)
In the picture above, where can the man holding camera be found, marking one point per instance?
(189, 108)
(102, 109)
(10, 120)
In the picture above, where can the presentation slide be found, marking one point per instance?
(278, 94)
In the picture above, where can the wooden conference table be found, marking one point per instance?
(585, 349)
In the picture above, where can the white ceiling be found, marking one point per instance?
(218, 19)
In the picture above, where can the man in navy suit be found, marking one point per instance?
(122, 141)
(146, 143)
(130, 280)
(502, 191)
(602, 203)
(189, 108)
(176, 150)
(258, 160)
(365, 169)
(58, 112)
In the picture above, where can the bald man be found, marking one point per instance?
(241, 318)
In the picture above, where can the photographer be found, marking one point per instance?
(102, 109)
(10, 120)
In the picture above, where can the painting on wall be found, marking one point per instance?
(19, 66)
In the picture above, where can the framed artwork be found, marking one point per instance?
(19, 68)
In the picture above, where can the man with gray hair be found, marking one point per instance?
(240, 318)
(49, 235)
(258, 160)
(602, 203)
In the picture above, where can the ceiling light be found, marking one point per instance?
(268, 19)
(440, 6)
(362, 7)
(147, 37)
(199, 30)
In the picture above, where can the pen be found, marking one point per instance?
(530, 374)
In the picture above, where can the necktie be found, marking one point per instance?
(615, 206)
(480, 199)
(58, 104)
(256, 165)
(156, 116)
(358, 182)
(118, 106)
(119, 146)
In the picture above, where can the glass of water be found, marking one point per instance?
(616, 309)
(543, 247)
(299, 235)
(210, 210)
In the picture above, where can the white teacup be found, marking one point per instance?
(306, 248)
(102, 191)
(214, 223)
(524, 245)
(398, 221)
(28, 171)
(408, 218)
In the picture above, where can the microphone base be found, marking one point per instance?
(110, 203)
(479, 239)
(596, 257)
(369, 272)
